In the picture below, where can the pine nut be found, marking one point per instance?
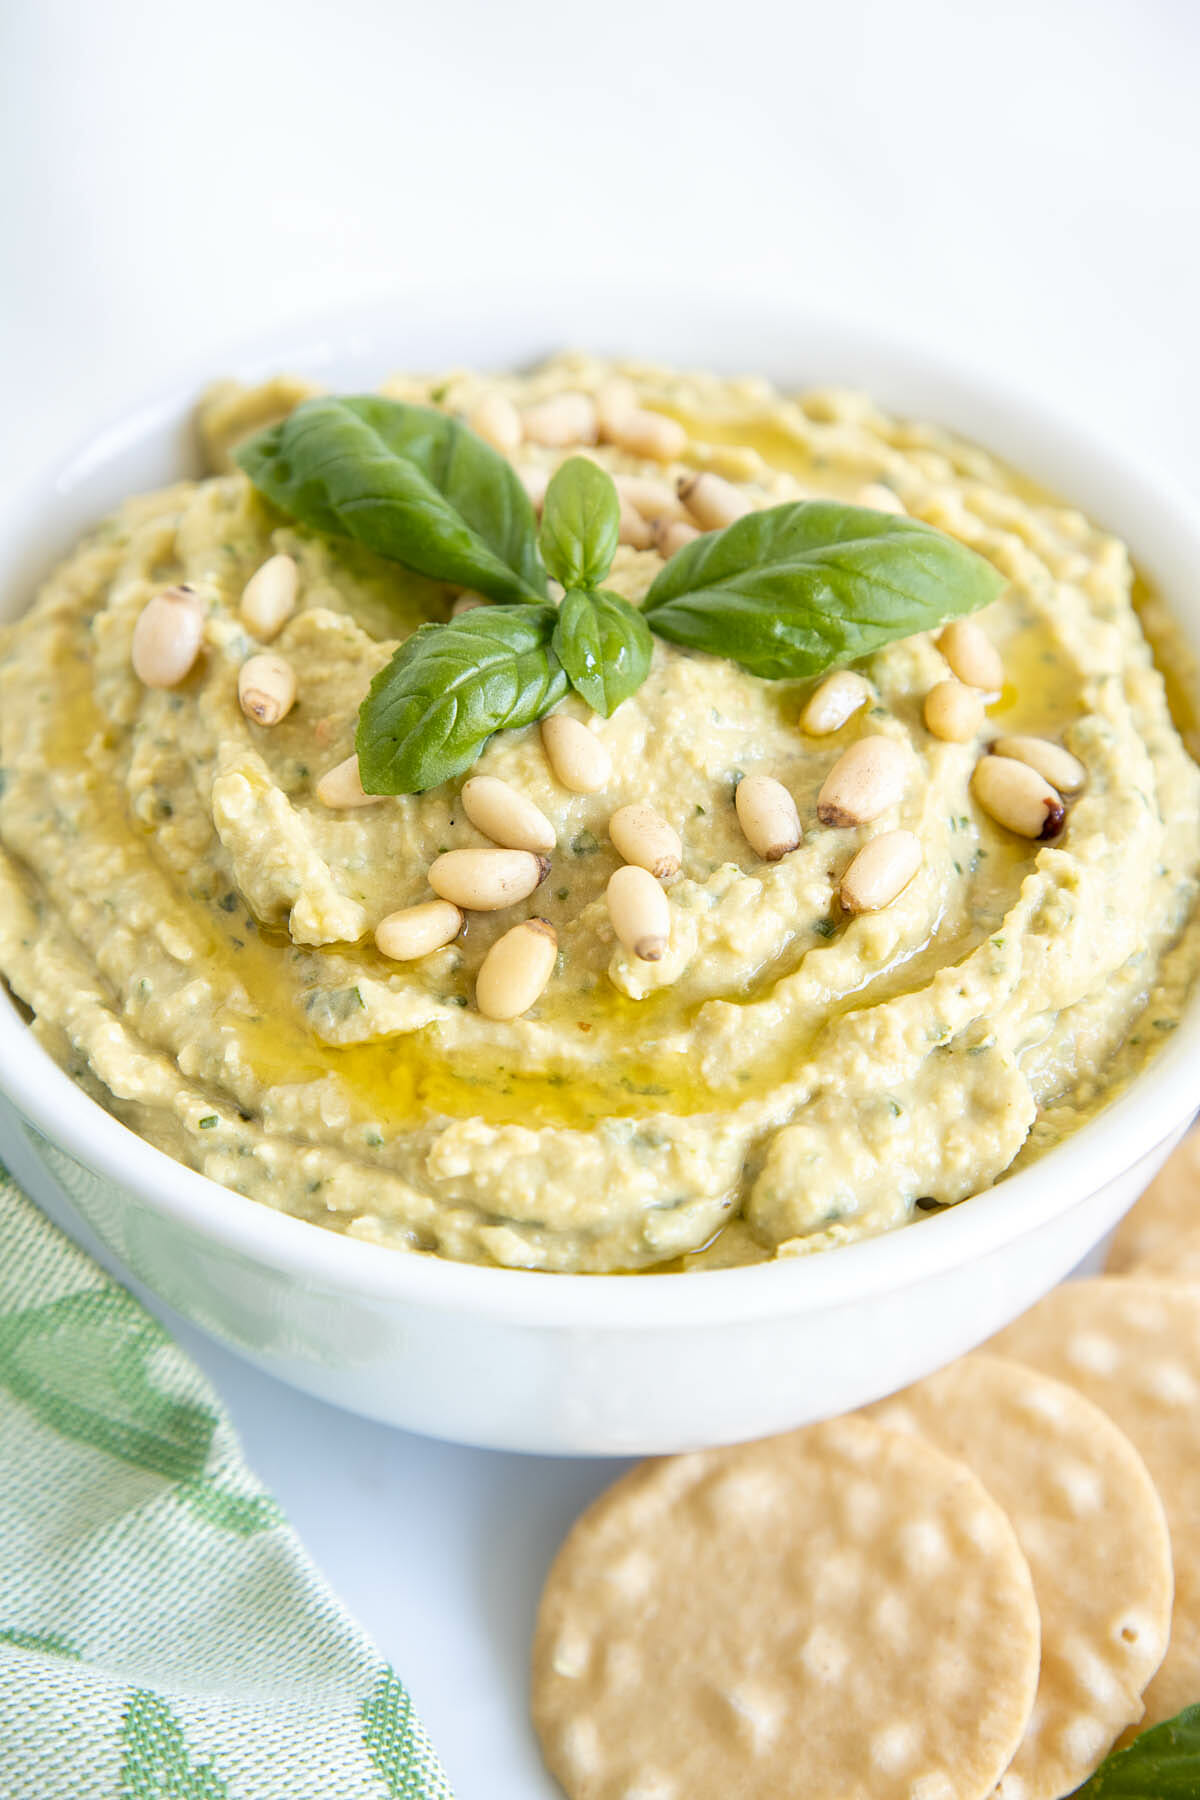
(535, 482)
(972, 655)
(642, 836)
(954, 711)
(564, 419)
(166, 637)
(671, 535)
(635, 530)
(649, 434)
(654, 499)
(418, 930)
(1052, 762)
(615, 400)
(576, 756)
(496, 420)
(342, 787)
(269, 597)
(839, 697)
(712, 501)
(514, 973)
(767, 815)
(509, 818)
(640, 912)
(864, 781)
(486, 880)
(266, 688)
(881, 871)
(466, 603)
(879, 498)
(1017, 797)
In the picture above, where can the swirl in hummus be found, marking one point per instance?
(191, 927)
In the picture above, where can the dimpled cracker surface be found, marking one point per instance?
(842, 1613)
(1133, 1347)
(1169, 1208)
(1091, 1525)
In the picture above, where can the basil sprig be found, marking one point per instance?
(1161, 1764)
(788, 592)
(601, 641)
(410, 483)
(800, 588)
(432, 708)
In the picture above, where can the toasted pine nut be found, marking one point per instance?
(486, 880)
(466, 603)
(839, 696)
(514, 973)
(166, 637)
(635, 530)
(577, 757)
(561, 420)
(972, 655)
(266, 688)
(671, 535)
(269, 597)
(650, 434)
(1052, 762)
(864, 781)
(496, 420)
(535, 482)
(653, 498)
(642, 836)
(767, 815)
(881, 871)
(640, 912)
(506, 816)
(879, 498)
(342, 786)
(614, 401)
(417, 930)
(712, 501)
(1017, 797)
(954, 711)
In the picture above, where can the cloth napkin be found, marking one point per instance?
(162, 1634)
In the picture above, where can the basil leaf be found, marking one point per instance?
(605, 646)
(797, 589)
(430, 712)
(581, 523)
(410, 483)
(1162, 1764)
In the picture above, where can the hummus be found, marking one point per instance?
(191, 928)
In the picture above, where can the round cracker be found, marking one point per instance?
(842, 1610)
(1133, 1347)
(1176, 1259)
(1091, 1524)
(1169, 1207)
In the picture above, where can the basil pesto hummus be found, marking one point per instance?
(726, 1037)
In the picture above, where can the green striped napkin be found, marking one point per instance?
(162, 1634)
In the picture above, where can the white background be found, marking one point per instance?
(1017, 184)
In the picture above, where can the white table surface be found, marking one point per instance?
(1018, 186)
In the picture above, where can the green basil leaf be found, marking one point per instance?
(605, 646)
(1162, 1764)
(431, 710)
(581, 524)
(410, 483)
(800, 588)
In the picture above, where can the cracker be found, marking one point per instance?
(1133, 1346)
(838, 1612)
(1169, 1207)
(1091, 1525)
(1175, 1259)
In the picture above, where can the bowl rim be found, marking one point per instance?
(1154, 1105)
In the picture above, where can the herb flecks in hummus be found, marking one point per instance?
(193, 927)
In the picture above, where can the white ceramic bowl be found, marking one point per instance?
(587, 1364)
